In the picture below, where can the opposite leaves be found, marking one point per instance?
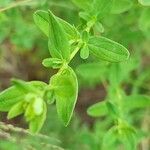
(65, 91)
(41, 19)
(107, 49)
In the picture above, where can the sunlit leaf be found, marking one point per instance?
(107, 49)
(65, 91)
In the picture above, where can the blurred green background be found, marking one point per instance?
(23, 47)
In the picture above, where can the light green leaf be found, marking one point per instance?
(110, 138)
(15, 110)
(83, 4)
(98, 109)
(65, 91)
(107, 49)
(29, 113)
(41, 19)
(85, 16)
(24, 86)
(136, 101)
(36, 124)
(58, 42)
(98, 28)
(85, 36)
(101, 8)
(84, 52)
(128, 138)
(144, 2)
(9, 97)
(121, 6)
(55, 63)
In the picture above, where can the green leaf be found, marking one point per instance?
(22, 85)
(144, 2)
(29, 113)
(85, 16)
(101, 8)
(58, 42)
(85, 36)
(14, 94)
(98, 109)
(107, 49)
(113, 110)
(15, 110)
(136, 101)
(41, 19)
(54, 63)
(121, 6)
(128, 138)
(98, 28)
(84, 52)
(65, 91)
(36, 124)
(83, 4)
(9, 97)
(110, 138)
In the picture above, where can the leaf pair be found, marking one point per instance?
(129, 104)
(59, 33)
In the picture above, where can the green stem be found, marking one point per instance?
(75, 51)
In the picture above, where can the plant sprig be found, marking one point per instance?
(64, 42)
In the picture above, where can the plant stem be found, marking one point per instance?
(75, 51)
